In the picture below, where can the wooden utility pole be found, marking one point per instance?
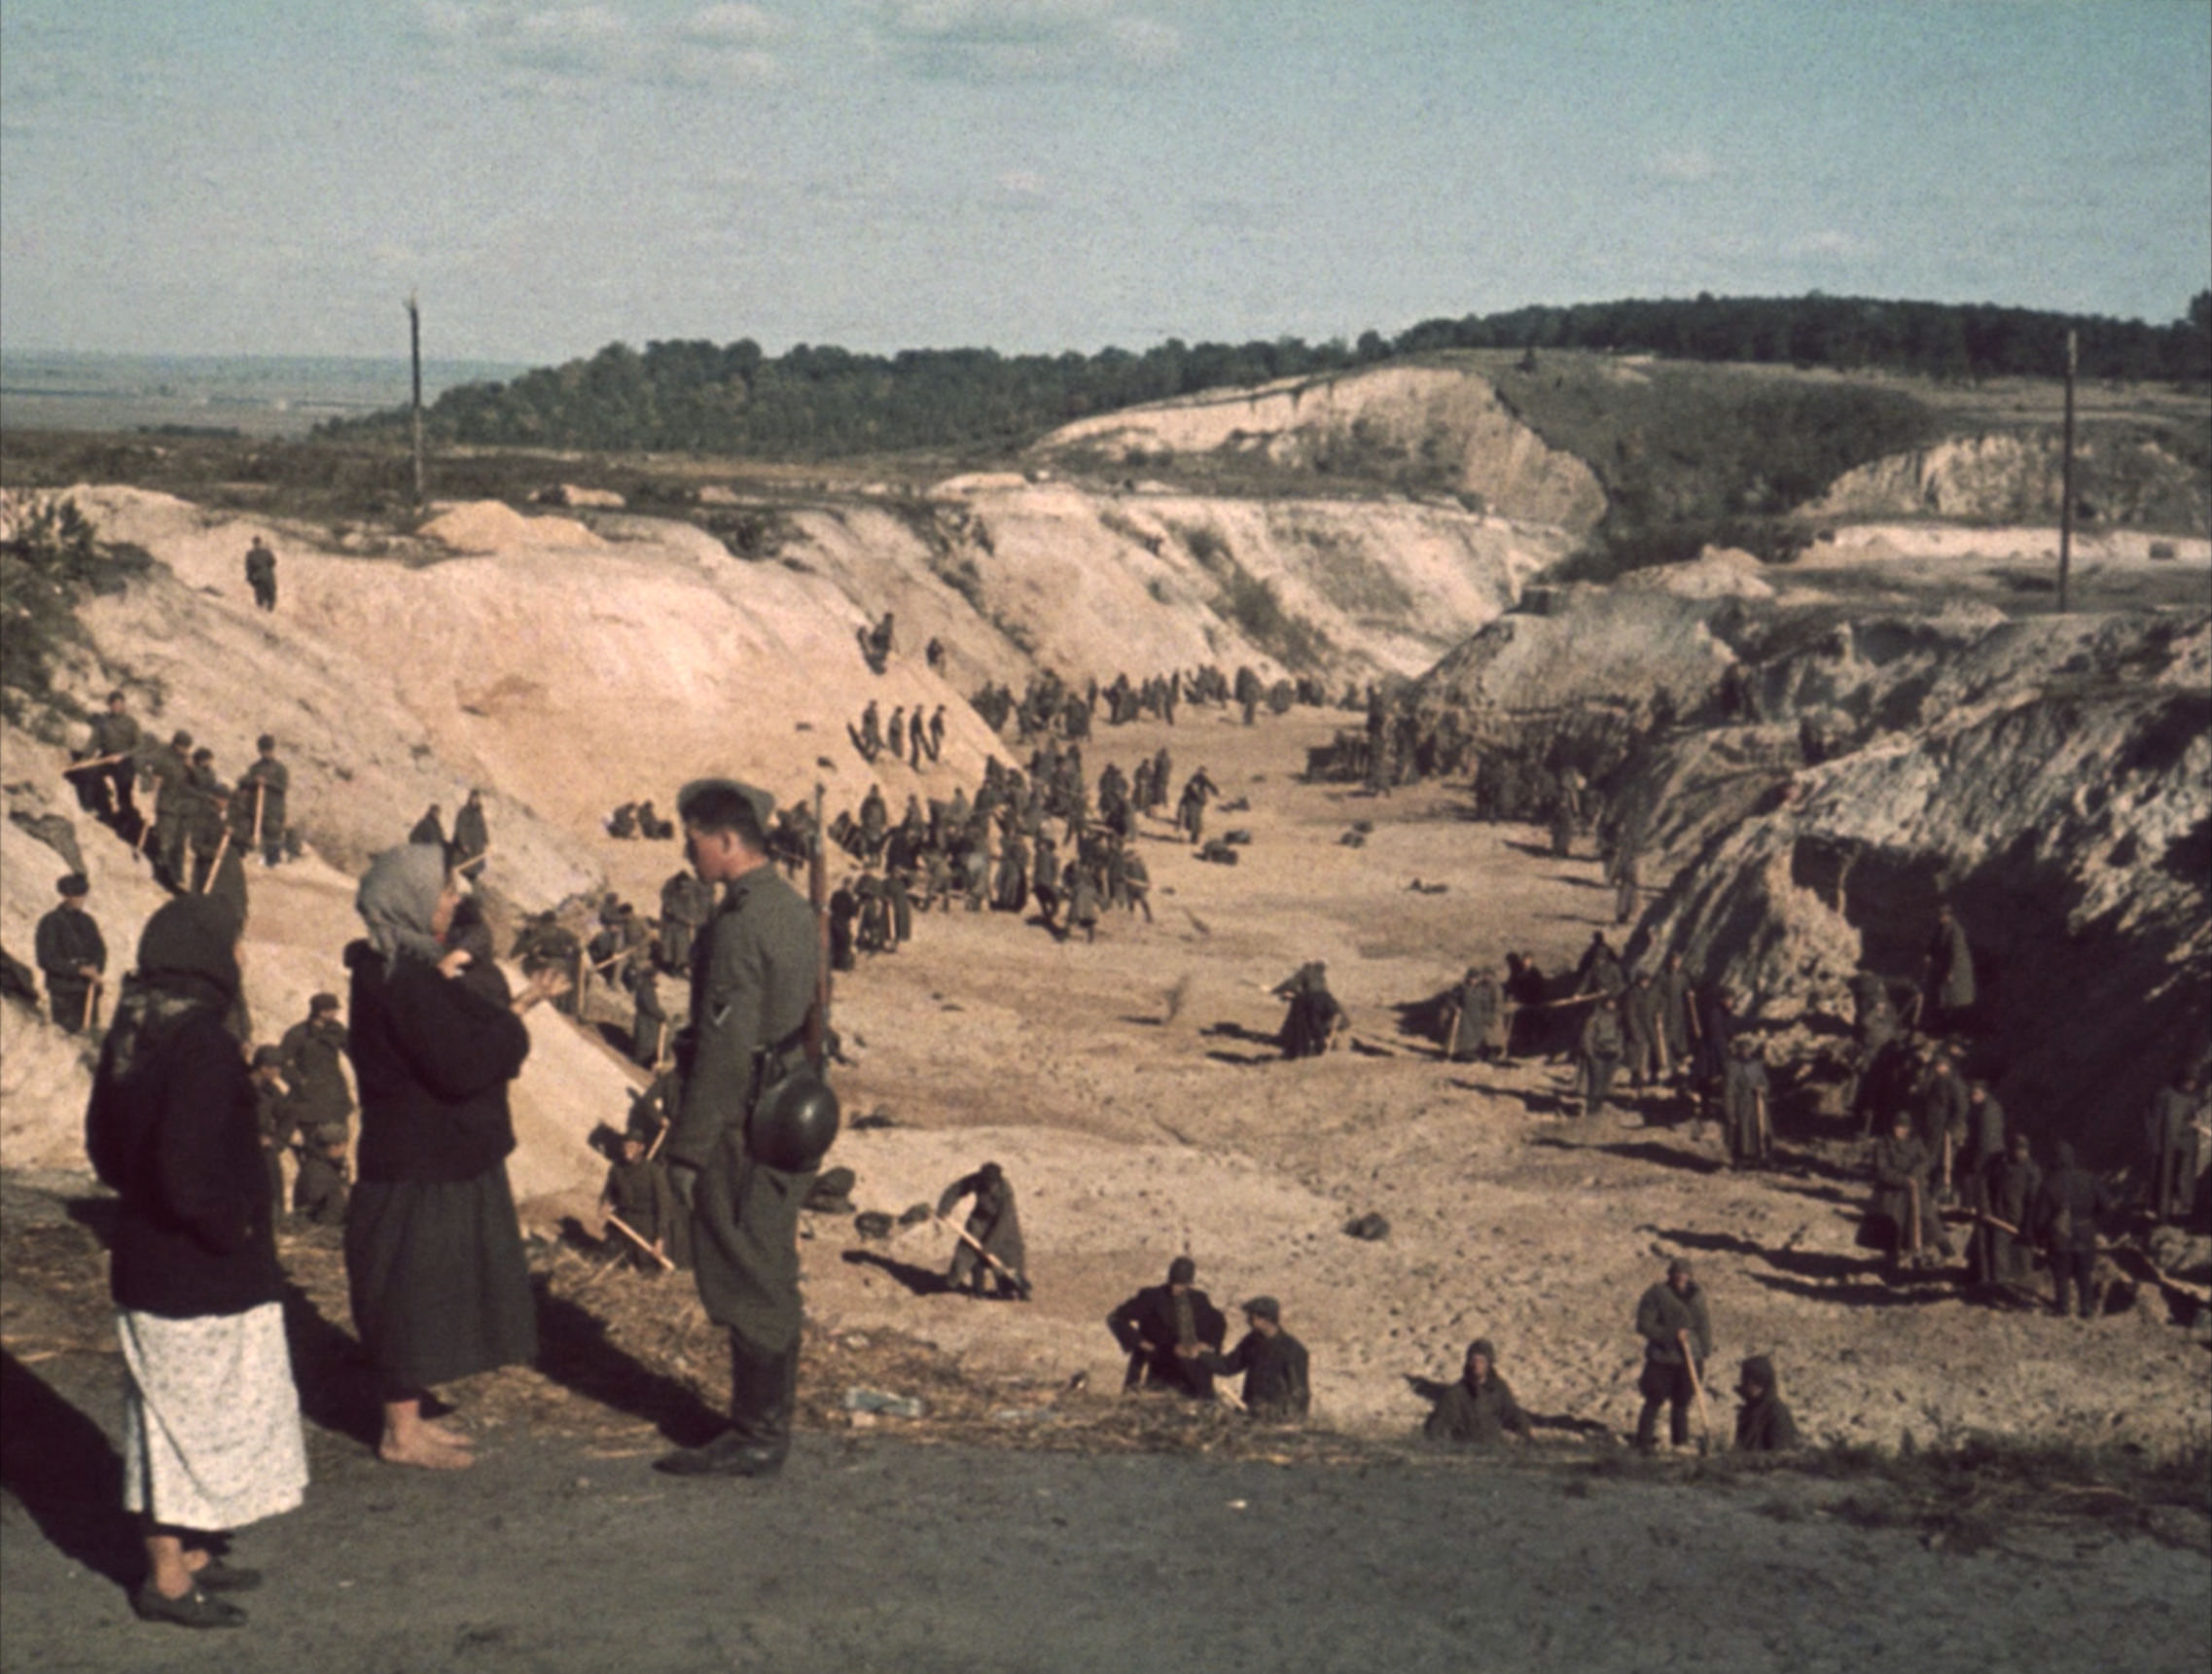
(414, 352)
(2066, 476)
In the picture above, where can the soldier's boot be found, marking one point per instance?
(1647, 1426)
(763, 1390)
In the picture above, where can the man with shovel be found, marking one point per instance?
(990, 1250)
(1678, 1338)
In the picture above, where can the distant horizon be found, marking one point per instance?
(641, 340)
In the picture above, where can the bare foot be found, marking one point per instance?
(446, 1434)
(423, 1451)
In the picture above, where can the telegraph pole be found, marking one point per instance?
(414, 350)
(2066, 476)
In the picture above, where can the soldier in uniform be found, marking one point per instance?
(430, 829)
(2066, 1218)
(273, 1117)
(2001, 1255)
(738, 1153)
(1159, 1323)
(993, 1223)
(71, 955)
(1643, 1031)
(649, 1020)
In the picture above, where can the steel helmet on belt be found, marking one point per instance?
(795, 1123)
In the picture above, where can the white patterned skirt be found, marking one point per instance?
(211, 1436)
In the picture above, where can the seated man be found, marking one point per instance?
(1273, 1363)
(1763, 1424)
(1478, 1411)
(1161, 1318)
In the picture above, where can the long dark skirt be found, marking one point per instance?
(439, 1286)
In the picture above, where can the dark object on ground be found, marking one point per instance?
(916, 1213)
(832, 1192)
(872, 1224)
(1372, 1229)
(1352, 840)
(874, 1118)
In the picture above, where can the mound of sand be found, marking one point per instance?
(493, 526)
(1379, 423)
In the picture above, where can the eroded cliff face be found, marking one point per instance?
(1442, 427)
(2051, 777)
(2121, 476)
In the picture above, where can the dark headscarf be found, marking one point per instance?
(188, 960)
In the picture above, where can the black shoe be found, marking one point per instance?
(217, 1576)
(727, 1455)
(194, 1610)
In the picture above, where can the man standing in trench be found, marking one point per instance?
(735, 1159)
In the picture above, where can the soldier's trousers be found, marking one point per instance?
(2074, 1270)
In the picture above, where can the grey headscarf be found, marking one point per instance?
(398, 898)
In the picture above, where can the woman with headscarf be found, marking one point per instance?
(433, 1250)
(211, 1416)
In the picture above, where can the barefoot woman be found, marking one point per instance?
(433, 1251)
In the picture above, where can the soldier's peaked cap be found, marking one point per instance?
(759, 800)
(73, 885)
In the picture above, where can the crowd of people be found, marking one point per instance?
(189, 1117)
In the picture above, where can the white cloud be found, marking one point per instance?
(559, 49)
(1682, 166)
(999, 40)
(1834, 244)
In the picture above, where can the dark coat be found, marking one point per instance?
(1764, 1425)
(1900, 1171)
(2068, 1207)
(992, 1221)
(1481, 1417)
(433, 1058)
(1145, 1326)
(1275, 1370)
(1663, 1313)
(173, 1127)
(1481, 1018)
(66, 940)
(311, 1052)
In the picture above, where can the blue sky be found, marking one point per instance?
(241, 176)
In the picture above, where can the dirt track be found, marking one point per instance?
(867, 1554)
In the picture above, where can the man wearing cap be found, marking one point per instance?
(753, 980)
(115, 745)
(1159, 1321)
(1763, 1424)
(171, 772)
(1948, 999)
(1273, 1363)
(259, 807)
(1478, 1411)
(2003, 1198)
(1678, 1338)
(312, 1055)
(995, 1227)
(72, 954)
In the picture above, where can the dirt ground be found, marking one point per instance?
(1034, 1518)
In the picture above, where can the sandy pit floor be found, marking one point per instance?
(1036, 1518)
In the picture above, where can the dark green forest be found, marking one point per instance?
(820, 401)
